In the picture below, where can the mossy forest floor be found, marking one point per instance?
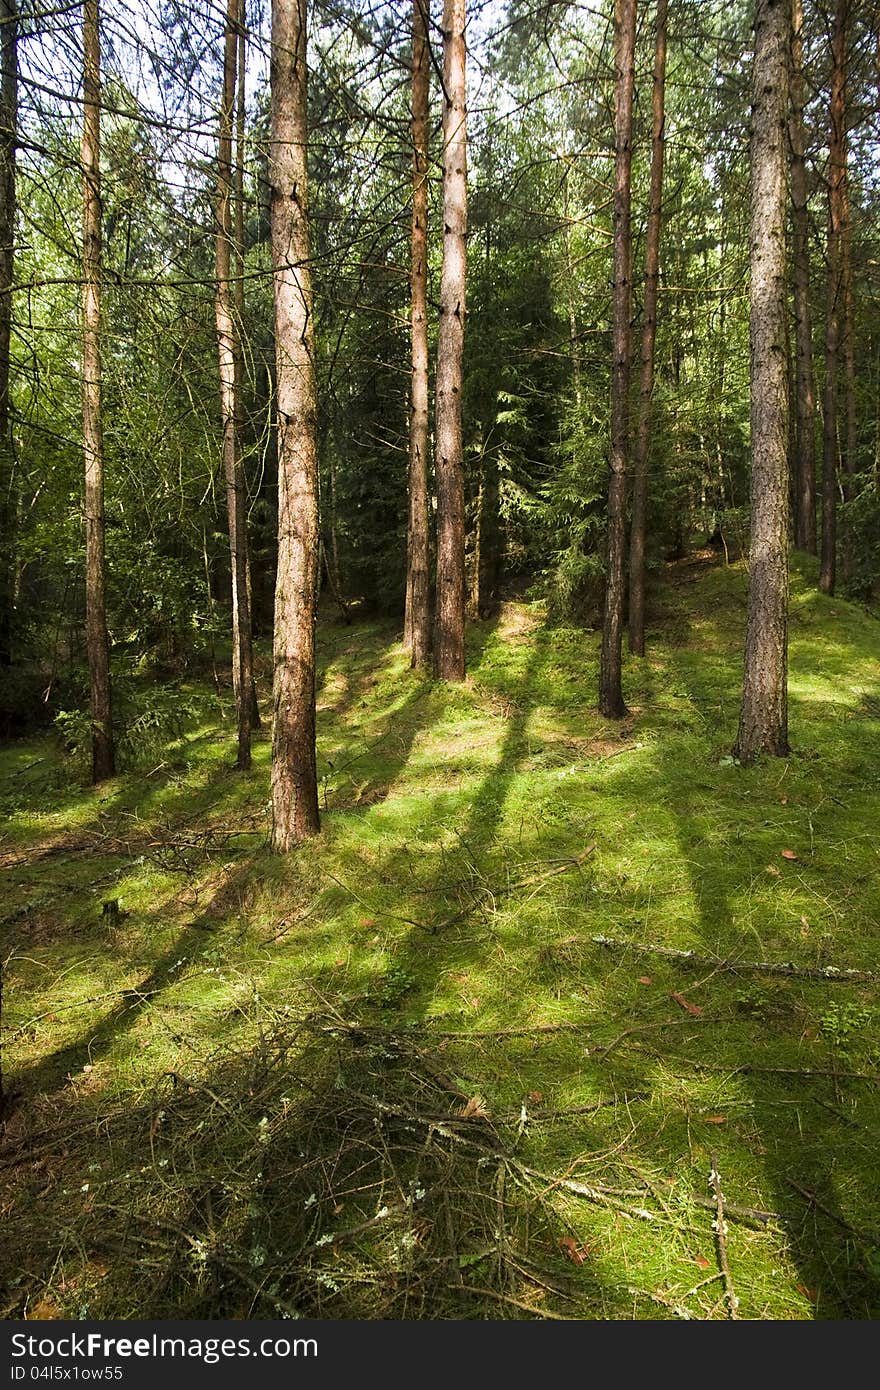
(435, 1064)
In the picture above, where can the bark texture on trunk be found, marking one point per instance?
(97, 639)
(805, 414)
(638, 523)
(417, 617)
(764, 715)
(449, 462)
(230, 396)
(611, 702)
(8, 124)
(850, 432)
(294, 774)
(834, 302)
(238, 275)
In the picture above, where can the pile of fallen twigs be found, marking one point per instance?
(334, 1171)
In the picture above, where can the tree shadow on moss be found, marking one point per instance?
(819, 1166)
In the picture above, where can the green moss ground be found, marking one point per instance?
(230, 1095)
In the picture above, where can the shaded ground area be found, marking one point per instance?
(475, 1051)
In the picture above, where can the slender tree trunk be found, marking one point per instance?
(764, 716)
(238, 269)
(294, 774)
(850, 438)
(334, 568)
(8, 505)
(834, 305)
(805, 414)
(638, 524)
(574, 344)
(417, 617)
(611, 702)
(488, 550)
(449, 632)
(230, 393)
(97, 639)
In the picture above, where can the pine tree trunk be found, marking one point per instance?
(253, 711)
(850, 437)
(8, 125)
(294, 774)
(449, 663)
(638, 523)
(571, 282)
(805, 414)
(488, 536)
(834, 304)
(417, 617)
(97, 639)
(611, 702)
(764, 715)
(228, 351)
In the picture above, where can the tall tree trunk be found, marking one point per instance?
(294, 774)
(417, 617)
(805, 414)
(488, 545)
(97, 639)
(850, 437)
(571, 283)
(763, 723)
(449, 464)
(238, 272)
(8, 125)
(611, 702)
(834, 306)
(331, 552)
(230, 393)
(638, 524)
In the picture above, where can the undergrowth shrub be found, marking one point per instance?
(860, 521)
(148, 722)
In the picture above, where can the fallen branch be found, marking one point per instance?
(748, 1215)
(598, 1195)
(542, 1116)
(787, 969)
(506, 1298)
(218, 1258)
(719, 1226)
(749, 1069)
(562, 867)
(513, 1032)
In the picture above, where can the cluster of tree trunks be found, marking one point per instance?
(779, 99)
(446, 636)
(294, 780)
(778, 119)
(8, 125)
(638, 521)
